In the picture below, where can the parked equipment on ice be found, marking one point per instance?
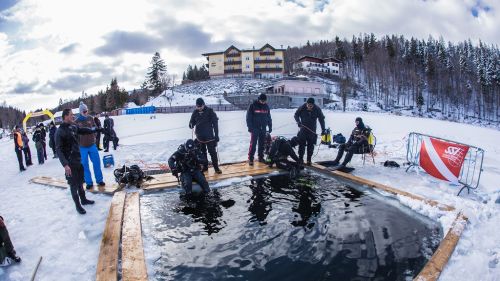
(326, 137)
(132, 175)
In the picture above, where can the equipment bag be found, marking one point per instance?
(132, 175)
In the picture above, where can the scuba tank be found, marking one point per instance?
(327, 137)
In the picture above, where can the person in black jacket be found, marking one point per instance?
(68, 151)
(37, 139)
(280, 149)
(306, 117)
(43, 139)
(205, 122)
(98, 127)
(52, 141)
(186, 161)
(357, 143)
(26, 149)
(258, 118)
(7, 252)
(109, 133)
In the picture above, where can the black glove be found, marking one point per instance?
(216, 138)
(250, 130)
(299, 124)
(270, 130)
(191, 126)
(175, 173)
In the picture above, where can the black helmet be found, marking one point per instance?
(294, 141)
(189, 145)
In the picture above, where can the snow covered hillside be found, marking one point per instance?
(42, 220)
(211, 90)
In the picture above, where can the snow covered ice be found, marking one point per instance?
(42, 220)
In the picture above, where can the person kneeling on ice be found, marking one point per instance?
(7, 252)
(68, 151)
(280, 149)
(357, 144)
(187, 162)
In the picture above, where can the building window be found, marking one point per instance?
(247, 58)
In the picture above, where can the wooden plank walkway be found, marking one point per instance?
(439, 259)
(133, 261)
(107, 265)
(235, 170)
(62, 183)
(380, 186)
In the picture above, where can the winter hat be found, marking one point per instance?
(82, 107)
(200, 102)
(310, 100)
(359, 119)
(262, 97)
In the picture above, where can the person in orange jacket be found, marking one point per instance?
(18, 146)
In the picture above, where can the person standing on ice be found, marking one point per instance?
(98, 129)
(68, 151)
(26, 149)
(7, 252)
(37, 139)
(185, 165)
(205, 122)
(88, 149)
(18, 146)
(109, 133)
(52, 142)
(258, 119)
(306, 117)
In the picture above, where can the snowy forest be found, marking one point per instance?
(461, 80)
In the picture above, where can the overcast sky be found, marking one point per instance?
(51, 49)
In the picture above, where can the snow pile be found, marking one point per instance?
(42, 220)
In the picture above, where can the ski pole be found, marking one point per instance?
(36, 269)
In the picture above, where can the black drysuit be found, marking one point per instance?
(306, 120)
(68, 151)
(98, 132)
(357, 144)
(187, 164)
(258, 118)
(52, 141)
(206, 130)
(109, 134)
(279, 152)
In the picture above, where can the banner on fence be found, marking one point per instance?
(442, 159)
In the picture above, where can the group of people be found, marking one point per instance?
(191, 158)
(21, 144)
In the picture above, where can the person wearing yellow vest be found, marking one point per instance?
(18, 146)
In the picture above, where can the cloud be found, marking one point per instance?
(22, 88)
(73, 82)
(118, 42)
(69, 49)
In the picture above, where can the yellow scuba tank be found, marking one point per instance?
(327, 137)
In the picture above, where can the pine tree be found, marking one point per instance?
(156, 73)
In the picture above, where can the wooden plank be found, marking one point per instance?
(133, 261)
(383, 187)
(107, 265)
(62, 183)
(439, 259)
(157, 185)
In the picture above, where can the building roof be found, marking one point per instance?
(317, 60)
(242, 50)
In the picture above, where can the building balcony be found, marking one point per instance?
(269, 61)
(268, 69)
(266, 53)
(231, 62)
(237, 70)
(233, 55)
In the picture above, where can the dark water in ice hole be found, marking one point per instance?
(311, 228)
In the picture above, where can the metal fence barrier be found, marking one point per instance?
(470, 172)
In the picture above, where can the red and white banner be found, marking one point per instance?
(442, 159)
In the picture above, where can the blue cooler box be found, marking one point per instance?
(108, 161)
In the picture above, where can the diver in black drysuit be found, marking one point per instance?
(187, 162)
(279, 151)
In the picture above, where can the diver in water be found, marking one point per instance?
(186, 164)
